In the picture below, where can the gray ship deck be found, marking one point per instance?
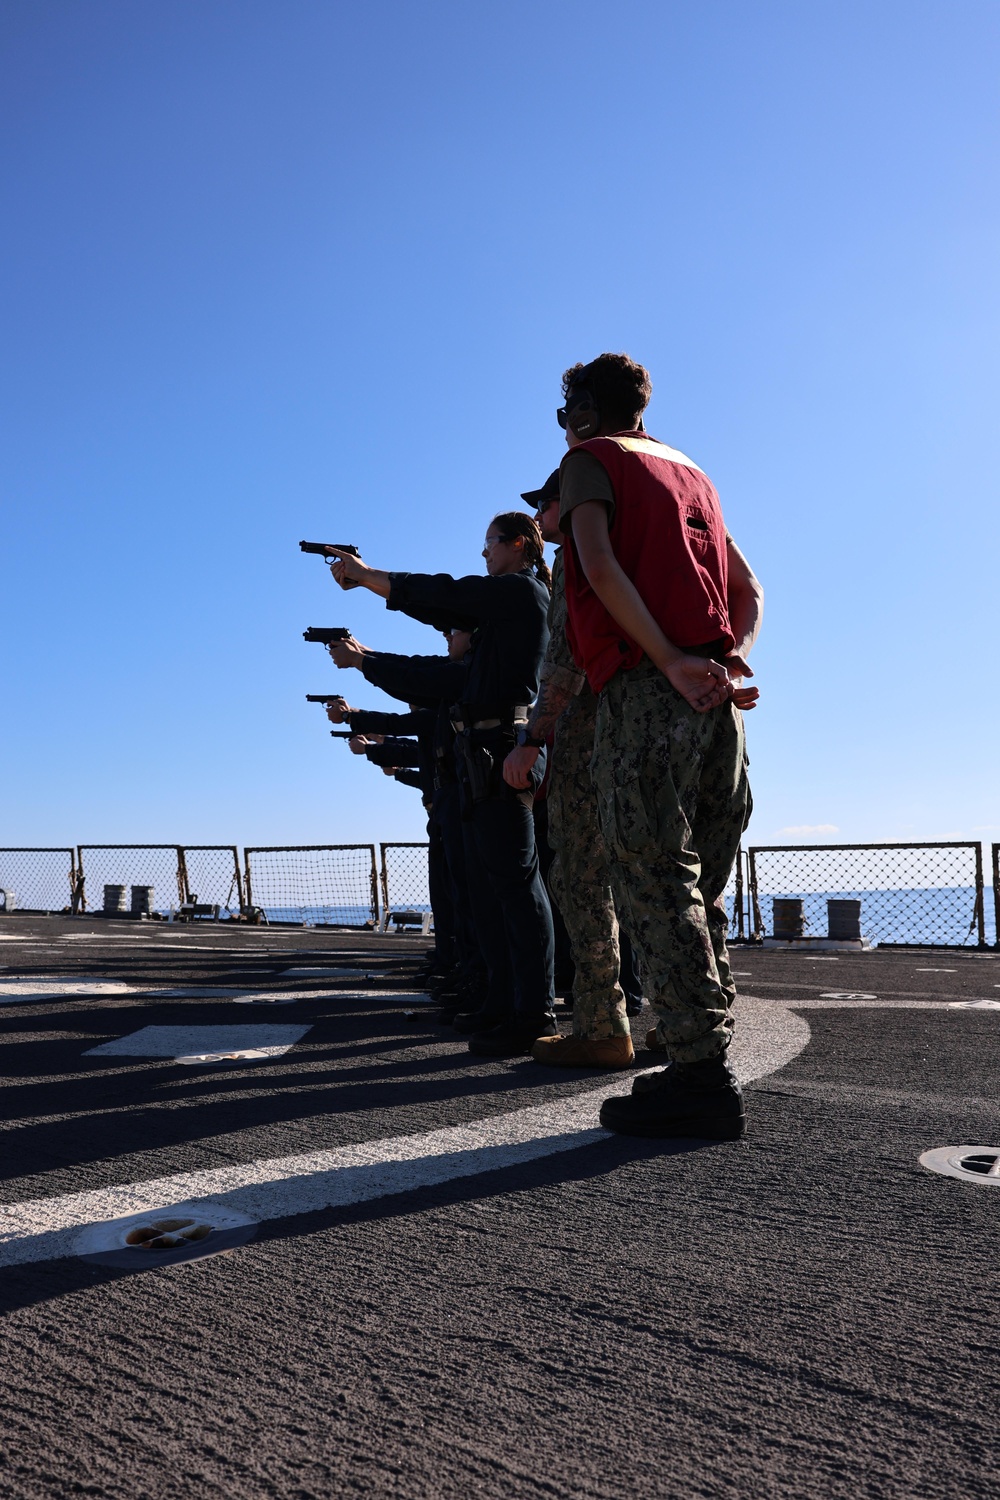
(445, 1295)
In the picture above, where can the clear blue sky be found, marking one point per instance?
(286, 268)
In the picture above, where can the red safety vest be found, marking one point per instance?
(669, 537)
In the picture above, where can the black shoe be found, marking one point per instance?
(438, 981)
(445, 1016)
(466, 992)
(476, 1020)
(511, 1038)
(633, 1005)
(702, 1101)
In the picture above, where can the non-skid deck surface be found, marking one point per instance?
(457, 1284)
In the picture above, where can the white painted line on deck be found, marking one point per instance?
(768, 1036)
(901, 1002)
(183, 1041)
(27, 989)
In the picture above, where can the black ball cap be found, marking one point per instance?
(548, 491)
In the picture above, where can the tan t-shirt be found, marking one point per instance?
(581, 478)
(559, 667)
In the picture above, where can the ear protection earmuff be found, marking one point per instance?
(580, 414)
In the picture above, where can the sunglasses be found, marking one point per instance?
(583, 401)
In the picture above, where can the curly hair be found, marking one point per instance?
(518, 523)
(620, 387)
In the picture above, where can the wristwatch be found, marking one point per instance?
(524, 738)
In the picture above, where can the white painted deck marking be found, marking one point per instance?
(847, 995)
(768, 1036)
(900, 1002)
(232, 1059)
(183, 1041)
(27, 989)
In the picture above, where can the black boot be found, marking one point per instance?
(701, 1100)
(477, 1020)
(512, 1038)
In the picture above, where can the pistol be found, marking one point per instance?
(322, 549)
(342, 734)
(326, 635)
(322, 697)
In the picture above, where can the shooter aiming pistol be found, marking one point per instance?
(322, 549)
(326, 635)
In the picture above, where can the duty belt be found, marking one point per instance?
(518, 714)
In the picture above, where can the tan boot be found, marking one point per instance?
(578, 1052)
(653, 1043)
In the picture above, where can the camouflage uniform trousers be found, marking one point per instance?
(580, 878)
(673, 800)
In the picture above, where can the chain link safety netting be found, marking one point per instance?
(131, 878)
(324, 885)
(213, 877)
(405, 885)
(912, 895)
(37, 880)
(405, 879)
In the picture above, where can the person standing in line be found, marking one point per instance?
(510, 904)
(435, 682)
(579, 878)
(649, 620)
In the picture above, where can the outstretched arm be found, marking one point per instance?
(703, 683)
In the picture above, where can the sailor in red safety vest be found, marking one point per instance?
(663, 639)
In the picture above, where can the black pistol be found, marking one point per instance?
(322, 697)
(322, 549)
(342, 734)
(326, 635)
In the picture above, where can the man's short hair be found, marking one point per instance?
(620, 387)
